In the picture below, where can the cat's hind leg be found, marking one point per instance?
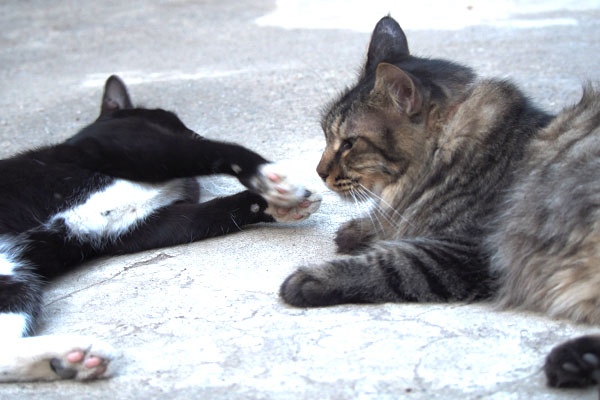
(575, 363)
(44, 357)
(40, 357)
(20, 291)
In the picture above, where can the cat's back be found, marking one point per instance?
(548, 237)
(559, 181)
(571, 137)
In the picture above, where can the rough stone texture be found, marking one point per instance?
(204, 320)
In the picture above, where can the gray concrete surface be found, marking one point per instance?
(204, 320)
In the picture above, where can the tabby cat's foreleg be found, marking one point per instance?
(355, 236)
(417, 270)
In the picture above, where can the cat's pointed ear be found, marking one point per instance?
(388, 42)
(115, 96)
(397, 86)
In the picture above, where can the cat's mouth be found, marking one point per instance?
(350, 189)
(357, 189)
(344, 184)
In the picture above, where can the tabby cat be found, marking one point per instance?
(478, 194)
(122, 184)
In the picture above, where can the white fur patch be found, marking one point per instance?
(8, 252)
(6, 265)
(12, 326)
(117, 209)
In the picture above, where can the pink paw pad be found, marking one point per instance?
(75, 357)
(273, 177)
(71, 366)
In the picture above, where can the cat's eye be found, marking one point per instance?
(346, 145)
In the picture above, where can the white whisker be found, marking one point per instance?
(385, 215)
(389, 207)
(364, 198)
(376, 212)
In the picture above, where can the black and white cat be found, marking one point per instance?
(123, 184)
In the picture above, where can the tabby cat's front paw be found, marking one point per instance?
(304, 289)
(287, 201)
(575, 363)
(352, 237)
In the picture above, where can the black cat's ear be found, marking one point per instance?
(115, 96)
(388, 43)
(397, 86)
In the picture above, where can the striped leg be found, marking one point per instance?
(417, 270)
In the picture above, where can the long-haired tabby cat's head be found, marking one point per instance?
(385, 127)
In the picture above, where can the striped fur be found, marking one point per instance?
(478, 195)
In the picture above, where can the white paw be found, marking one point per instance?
(85, 362)
(49, 358)
(296, 213)
(288, 201)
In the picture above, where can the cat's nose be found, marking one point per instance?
(324, 166)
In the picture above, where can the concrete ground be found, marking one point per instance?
(204, 320)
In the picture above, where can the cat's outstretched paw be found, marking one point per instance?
(287, 201)
(50, 358)
(305, 289)
(575, 363)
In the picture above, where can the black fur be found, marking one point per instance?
(575, 363)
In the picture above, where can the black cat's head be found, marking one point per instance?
(381, 129)
(118, 114)
(116, 104)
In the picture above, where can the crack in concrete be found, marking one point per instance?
(159, 257)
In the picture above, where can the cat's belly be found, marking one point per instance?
(118, 208)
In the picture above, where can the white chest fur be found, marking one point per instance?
(117, 208)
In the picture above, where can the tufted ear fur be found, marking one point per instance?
(388, 43)
(399, 87)
(115, 96)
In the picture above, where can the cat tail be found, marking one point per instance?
(413, 270)
(20, 291)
